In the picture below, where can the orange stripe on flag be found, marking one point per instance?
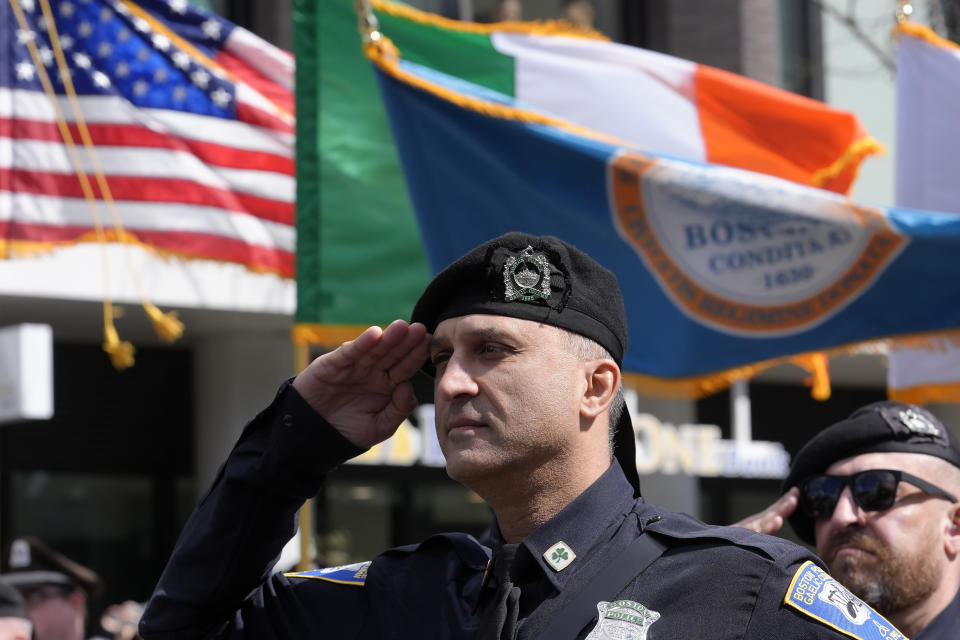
(754, 126)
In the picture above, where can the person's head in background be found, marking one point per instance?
(55, 589)
(579, 12)
(14, 622)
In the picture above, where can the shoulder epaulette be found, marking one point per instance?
(815, 593)
(352, 574)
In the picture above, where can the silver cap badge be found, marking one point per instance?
(526, 277)
(918, 423)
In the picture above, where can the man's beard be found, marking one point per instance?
(889, 580)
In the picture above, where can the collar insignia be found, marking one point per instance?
(622, 619)
(918, 423)
(526, 276)
(559, 556)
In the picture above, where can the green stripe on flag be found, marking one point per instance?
(360, 259)
(470, 56)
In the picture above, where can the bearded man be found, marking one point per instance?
(877, 494)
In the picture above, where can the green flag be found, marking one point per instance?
(359, 256)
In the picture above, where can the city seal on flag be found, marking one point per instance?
(744, 253)
(622, 620)
(526, 276)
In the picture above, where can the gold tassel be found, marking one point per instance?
(167, 325)
(120, 351)
(816, 364)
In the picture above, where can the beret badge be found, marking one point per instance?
(526, 276)
(918, 423)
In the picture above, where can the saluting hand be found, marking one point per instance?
(363, 387)
(770, 520)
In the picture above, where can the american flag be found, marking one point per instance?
(191, 118)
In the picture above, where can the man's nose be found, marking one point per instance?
(847, 510)
(455, 379)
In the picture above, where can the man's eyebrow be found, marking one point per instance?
(480, 333)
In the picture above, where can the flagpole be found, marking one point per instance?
(301, 357)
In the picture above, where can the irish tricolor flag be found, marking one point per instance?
(646, 99)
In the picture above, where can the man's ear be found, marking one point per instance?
(952, 538)
(603, 380)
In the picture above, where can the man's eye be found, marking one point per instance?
(439, 358)
(493, 347)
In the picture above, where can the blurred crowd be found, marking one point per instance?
(44, 595)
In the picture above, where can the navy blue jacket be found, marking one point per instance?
(712, 582)
(946, 626)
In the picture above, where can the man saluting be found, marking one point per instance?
(524, 336)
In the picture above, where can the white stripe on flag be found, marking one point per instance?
(32, 105)
(155, 216)
(35, 155)
(276, 64)
(641, 97)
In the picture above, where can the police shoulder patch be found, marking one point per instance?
(815, 593)
(352, 574)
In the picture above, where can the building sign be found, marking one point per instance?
(698, 450)
(689, 449)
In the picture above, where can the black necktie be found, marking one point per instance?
(500, 620)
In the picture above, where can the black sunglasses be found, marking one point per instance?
(872, 490)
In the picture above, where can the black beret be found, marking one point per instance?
(543, 279)
(11, 603)
(31, 563)
(884, 426)
(538, 278)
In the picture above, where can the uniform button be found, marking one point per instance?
(287, 420)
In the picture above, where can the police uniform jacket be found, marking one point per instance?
(946, 626)
(711, 582)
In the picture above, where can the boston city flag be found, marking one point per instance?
(722, 268)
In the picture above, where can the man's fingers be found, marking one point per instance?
(771, 519)
(379, 356)
(412, 354)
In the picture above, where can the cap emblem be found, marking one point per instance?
(918, 423)
(526, 276)
(20, 554)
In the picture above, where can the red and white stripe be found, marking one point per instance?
(193, 185)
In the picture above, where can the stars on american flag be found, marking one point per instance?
(211, 29)
(181, 60)
(200, 78)
(221, 97)
(25, 70)
(111, 49)
(46, 55)
(82, 60)
(160, 42)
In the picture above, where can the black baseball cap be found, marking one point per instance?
(544, 279)
(884, 426)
